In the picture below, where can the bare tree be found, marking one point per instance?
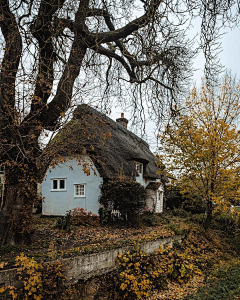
(216, 17)
(54, 51)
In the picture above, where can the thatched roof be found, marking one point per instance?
(111, 146)
(153, 185)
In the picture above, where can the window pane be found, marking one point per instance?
(79, 189)
(139, 168)
(55, 184)
(62, 184)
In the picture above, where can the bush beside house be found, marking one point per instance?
(125, 196)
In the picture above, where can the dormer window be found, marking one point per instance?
(139, 167)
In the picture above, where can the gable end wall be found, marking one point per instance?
(57, 203)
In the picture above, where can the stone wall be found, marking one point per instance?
(87, 266)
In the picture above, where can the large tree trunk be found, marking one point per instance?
(20, 192)
(209, 217)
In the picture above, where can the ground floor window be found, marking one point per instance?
(79, 190)
(58, 184)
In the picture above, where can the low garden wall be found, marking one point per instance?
(87, 266)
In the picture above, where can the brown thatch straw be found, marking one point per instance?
(111, 147)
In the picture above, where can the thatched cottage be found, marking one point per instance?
(95, 148)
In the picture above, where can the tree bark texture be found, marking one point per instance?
(20, 192)
(209, 217)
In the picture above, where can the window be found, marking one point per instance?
(59, 184)
(1, 169)
(139, 167)
(79, 190)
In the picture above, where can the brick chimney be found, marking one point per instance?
(122, 121)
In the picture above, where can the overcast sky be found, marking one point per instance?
(229, 58)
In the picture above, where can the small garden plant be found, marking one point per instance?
(80, 216)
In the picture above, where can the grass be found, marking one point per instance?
(237, 208)
(221, 284)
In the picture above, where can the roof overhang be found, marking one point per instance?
(154, 185)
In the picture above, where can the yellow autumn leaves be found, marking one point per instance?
(40, 280)
(201, 148)
(139, 274)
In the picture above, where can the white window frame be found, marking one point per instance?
(58, 185)
(139, 165)
(75, 188)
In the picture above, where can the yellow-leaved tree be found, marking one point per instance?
(202, 146)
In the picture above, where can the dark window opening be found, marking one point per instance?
(55, 184)
(62, 184)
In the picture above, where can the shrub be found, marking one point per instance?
(40, 281)
(166, 217)
(4, 249)
(175, 228)
(104, 215)
(64, 222)
(181, 213)
(139, 274)
(194, 205)
(173, 197)
(151, 219)
(226, 222)
(198, 218)
(80, 216)
(125, 195)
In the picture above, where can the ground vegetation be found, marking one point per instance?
(199, 262)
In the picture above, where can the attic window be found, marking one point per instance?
(139, 167)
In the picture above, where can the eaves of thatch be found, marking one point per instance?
(112, 147)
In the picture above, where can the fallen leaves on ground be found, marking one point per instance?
(176, 291)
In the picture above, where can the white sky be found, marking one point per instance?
(229, 58)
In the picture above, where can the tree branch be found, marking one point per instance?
(114, 35)
(110, 54)
(11, 59)
(60, 103)
(41, 30)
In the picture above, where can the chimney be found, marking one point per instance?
(122, 121)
